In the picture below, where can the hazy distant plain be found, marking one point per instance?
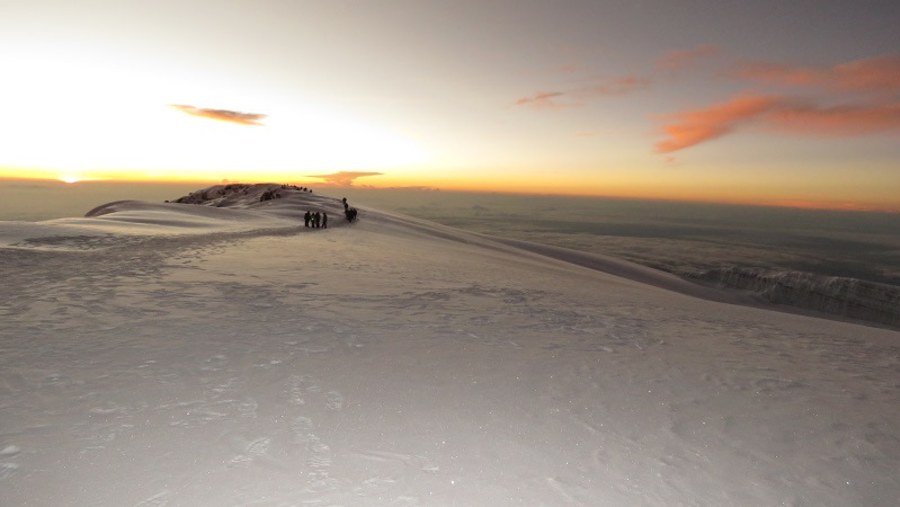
(673, 236)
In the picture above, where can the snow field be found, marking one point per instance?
(229, 357)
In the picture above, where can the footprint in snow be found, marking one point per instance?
(334, 400)
(160, 499)
(7, 470)
(297, 387)
(10, 450)
(247, 408)
(255, 449)
(302, 428)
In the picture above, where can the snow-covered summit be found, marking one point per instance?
(238, 209)
(240, 195)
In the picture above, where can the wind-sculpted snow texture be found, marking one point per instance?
(171, 354)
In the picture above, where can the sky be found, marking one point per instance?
(766, 102)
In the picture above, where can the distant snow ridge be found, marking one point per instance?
(848, 297)
(234, 195)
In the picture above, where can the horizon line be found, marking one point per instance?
(785, 203)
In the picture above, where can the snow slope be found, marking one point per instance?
(173, 354)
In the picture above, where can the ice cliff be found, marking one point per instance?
(846, 297)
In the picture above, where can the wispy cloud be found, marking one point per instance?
(543, 100)
(580, 95)
(842, 120)
(681, 59)
(689, 128)
(344, 178)
(776, 73)
(880, 73)
(612, 86)
(221, 114)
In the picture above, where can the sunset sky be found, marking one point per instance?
(767, 102)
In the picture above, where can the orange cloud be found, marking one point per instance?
(689, 128)
(880, 73)
(221, 114)
(694, 127)
(846, 120)
(685, 58)
(833, 205)
(780, 74)
(344, 178)
(613, 86)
